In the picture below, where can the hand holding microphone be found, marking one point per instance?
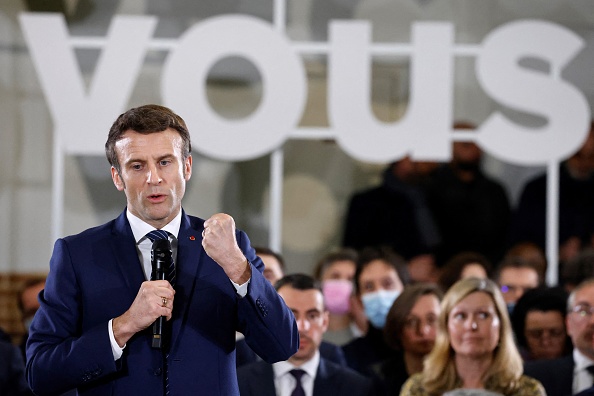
(161, 260)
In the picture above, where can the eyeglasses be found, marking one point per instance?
(540, 333)
(583, 311)
(514, 289)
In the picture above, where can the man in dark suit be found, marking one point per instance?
(274, 269)
(12, 371)
(571, 374)
(93, 328)
(306, 371)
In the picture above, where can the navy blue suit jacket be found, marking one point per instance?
(95, 276)
(556, 375)
(257, 379)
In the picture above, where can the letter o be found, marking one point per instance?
(283, 79)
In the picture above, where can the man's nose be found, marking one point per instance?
(153, 177)
(303, 324)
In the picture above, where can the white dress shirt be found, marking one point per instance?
(582, 379)
(284, 382)
(143, 247)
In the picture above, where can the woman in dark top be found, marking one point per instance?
(410, 329)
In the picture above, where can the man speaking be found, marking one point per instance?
(94, 330)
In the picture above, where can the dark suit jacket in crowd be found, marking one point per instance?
(245, 355)
(556, 375)
(95, 276)
(257, 379)
(587, 392)
(12, 371)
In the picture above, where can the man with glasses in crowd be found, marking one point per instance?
(574, 373)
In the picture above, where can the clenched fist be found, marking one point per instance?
(218, 240)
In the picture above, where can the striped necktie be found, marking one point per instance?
(170, 276)
(169, 272)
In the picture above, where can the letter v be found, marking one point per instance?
(82, 119)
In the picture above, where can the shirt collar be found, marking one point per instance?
(141, 228)
(581, 361)
(310, 367)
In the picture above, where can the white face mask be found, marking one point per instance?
(377, 304)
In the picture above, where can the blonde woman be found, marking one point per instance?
(474, 348)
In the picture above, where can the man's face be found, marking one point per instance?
(153, 174)
(272, 268)
(545, 334)
(515, 281)
(312, 320)
(580, 321)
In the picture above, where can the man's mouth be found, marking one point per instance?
(156, 198)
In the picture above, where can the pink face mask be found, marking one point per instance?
(337, 293)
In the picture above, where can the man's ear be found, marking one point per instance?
(326, 321)
(117, 179)
(188, 168)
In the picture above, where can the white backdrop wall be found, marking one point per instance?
(318, 175)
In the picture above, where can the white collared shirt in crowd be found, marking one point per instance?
(284, 382)
(582, 379)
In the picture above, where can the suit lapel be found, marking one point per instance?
(125, 254)
(322, 383)
(188, 263)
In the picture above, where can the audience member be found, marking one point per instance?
(336, 271)
(306, 372)
(28, 305)
(532, 253)
(538, 321)
(576, 205)
(423, 268)
(471, 210)
(570, 374)
(379, 280)
(515, 277)
(474, 348)
(461, 266)
(12, 371)
(577, 269)
(410, 329)
(394, 214)
(274, 264)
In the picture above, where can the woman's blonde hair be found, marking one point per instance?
(439, 372)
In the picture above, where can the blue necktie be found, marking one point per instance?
(170, 272)
(298, 391)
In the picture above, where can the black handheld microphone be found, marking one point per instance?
(160, 261)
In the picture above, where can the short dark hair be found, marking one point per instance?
(344, 254)
(515, 262)
(387, 255)
(452, 270)
(146, 119)
(269, 252)
(401, 309)
(539, 299)
(299, 282)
